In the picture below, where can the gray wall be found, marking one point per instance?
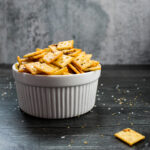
(115, 31)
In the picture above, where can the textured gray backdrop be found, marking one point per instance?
(115, 31)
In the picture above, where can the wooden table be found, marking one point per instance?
(123, 100)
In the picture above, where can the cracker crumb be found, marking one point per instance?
(4, 93)
(128, 91)
(85, 142)
(62, 137)
(113, 114)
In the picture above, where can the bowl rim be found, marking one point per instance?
(51, 76)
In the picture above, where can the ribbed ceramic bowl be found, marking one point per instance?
(56, 96)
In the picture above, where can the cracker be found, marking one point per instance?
(45, 68)
(21, 60)
(67, 73)
(72, 52)
(17, 66)
(31, 67)
(94, 63)
(38, 49)
(47, 50)
(41, 60)
(33, 53)
(65, 45)
(50, 56)
(53, 47)
(98, 67)
(129, 136)
(63, 61)
(73, 68)
(39, 55)
(60, 71)
(82, 61)
(22, 68)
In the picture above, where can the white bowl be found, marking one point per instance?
(56, 96)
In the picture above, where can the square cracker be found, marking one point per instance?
(45, 68)
(65, 45)
(73, 68)
(72, 52)
(91, 68)
(52, 56)
(21, 60)
(31, 67)
(63, 61)
(129, 136)
(61, 71)
(53, 47)
(34, 53)
(38, 49)
(38, 56)
(82, 61)
(22, 68)
(94, 63)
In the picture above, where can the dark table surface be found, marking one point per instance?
(123, 100)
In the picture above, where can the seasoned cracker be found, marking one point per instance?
(65, 45)
(45, 68)
(31, 67)
(39, 55)
(52, 56)
(47, 49)
(33, 53)
(21, 60)
(41, 60)
(53, 47)
(63, 61)
(67, 73)
(60, 71)
(73, 68)
(38, 49)
(98, 67)
(22, 68)
(94, 63)
(72, 52)
(129, 136)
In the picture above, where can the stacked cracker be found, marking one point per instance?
(57, 59)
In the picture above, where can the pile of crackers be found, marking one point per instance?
(58, 59)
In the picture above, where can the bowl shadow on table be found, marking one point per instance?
(83, 125)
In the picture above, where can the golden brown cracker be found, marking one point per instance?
(22, 68)
(39, 49)
(39, 55)
(52, 56)
(23, 60)
(98, 67)
(65, 45)
(33, 53)
(94, 63)
(45, 68)
(53, 47)
(67, 73)
(82, 64)
(31, 68)
(73, 68)
(72, 52)
(129, 136)
(60, 71)
(63, 61)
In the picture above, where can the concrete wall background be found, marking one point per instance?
(115, 31)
